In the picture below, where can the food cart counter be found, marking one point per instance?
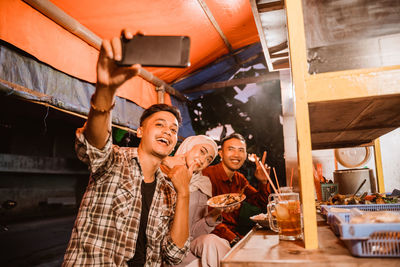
(261, 247)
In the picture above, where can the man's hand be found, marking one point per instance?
(109, 74)
(259, 173)
(109, 77)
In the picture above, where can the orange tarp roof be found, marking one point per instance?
(34, 33)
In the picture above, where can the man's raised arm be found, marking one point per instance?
(110, 76)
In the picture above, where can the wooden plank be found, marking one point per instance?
(277, 48)
(215, 24)
(271, 6)
(299, 74)
(378, 166)
(353, 84)
(281, 63)
(261, 33)
(248, 80)
(335, 22)
(261, 248)
(348, 138)
(278, 55)
(353, 121)
(366, 53)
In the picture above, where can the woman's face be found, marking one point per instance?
(202, 154)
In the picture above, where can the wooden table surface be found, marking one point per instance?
(262, 247)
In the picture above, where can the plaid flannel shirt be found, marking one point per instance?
(107, 225)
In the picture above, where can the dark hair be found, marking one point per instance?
(231, 136)
(161, 107)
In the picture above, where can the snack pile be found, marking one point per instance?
(376, 198)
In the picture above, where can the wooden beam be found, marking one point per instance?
(279, 55)
(215, 24)
(271, 6)
(353, 84)
(261, 34)
(331, 145)
(338, 132)
(56, 14)
(216, 85)
(278, 47)
(281, 63)
(297, 41)
(378, 166)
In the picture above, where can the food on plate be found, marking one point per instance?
(226, 200)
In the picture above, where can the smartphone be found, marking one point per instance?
(156, 51)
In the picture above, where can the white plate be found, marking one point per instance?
(261, 219)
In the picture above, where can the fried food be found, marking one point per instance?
(226, 200)
(376, 198)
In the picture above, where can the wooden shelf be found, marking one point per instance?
(353, 122)
(346, 106)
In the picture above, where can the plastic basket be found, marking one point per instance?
(369, 240)
(326, 211)
(328, 190)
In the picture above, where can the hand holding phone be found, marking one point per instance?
(156, 51)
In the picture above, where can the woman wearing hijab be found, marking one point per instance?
(208, 247)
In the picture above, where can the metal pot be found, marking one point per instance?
(349, 180)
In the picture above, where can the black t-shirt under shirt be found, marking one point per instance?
(139, 259)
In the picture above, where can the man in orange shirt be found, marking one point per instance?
(226, 179)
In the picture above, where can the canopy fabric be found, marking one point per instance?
(223, 69)
(24, 77)
(34, 33)
(37, 35)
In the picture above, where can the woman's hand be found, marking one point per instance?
(171, 162)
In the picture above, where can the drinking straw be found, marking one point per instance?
(291, 178)
(276, 179)
(269, 179)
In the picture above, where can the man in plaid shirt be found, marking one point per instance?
(130, 215)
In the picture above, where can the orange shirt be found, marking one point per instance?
(222, 185)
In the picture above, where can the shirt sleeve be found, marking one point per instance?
(199, 221)
(98, 160)
(172, 254)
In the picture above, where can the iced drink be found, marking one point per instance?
(285, 216)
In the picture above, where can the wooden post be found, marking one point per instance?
(378, 166)
(298, 59)
(160, 94)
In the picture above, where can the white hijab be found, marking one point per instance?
(198, 181)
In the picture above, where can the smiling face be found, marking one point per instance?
(159, 133)
(233, 154)
(202, 154)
